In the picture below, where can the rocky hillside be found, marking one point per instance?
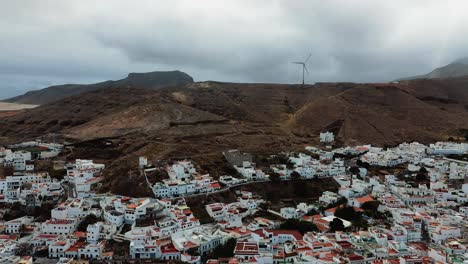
(458, 68)
(150, 80)
(202, 119)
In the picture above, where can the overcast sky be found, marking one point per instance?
(54, 42)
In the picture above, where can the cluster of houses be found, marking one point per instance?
(392, 157)
(231, 215)
(423, 208)
(427, 221)
(151, 225)
(308, 167)
(31, 187)
(84, 175)
(184, 180)
(21, 156)
(20, 182)
(375, 245)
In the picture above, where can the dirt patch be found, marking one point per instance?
(14, 107)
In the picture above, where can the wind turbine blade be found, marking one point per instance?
(296, 62)
(307, 58)
(305, 68)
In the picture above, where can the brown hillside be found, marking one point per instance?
(202, 119)
(383, 114)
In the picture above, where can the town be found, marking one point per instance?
(403, 204)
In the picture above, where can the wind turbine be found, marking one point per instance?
(304, 67)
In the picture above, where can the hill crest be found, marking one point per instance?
(458, 68)
(149, 80)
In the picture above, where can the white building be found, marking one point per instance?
(57, 249)
(289, 213)
(84, 174)
(100, 231)
(152, 249)
(58, 226)
(113, 217)
(142, 162)
(327, 137)
(447, 148)
(329, 197)
(15, 226)
(248, 171)
(443, 233)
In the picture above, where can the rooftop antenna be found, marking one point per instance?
(304, 67)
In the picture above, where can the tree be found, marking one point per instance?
(421, 177)
(295, 176)
(354, 170)
(336, 225)
(370, 206)
(88, 220)
(226, 250)
(312, 212)
(57, 174)
(222, 251)
(346, 212)
(264, 206)
(274, 177)
(24, 249)
(301, 226)
(366, 165)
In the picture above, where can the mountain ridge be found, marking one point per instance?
(148, 80)
(457, 68)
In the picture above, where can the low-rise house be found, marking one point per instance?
(202, 239)
(289, 213)
(447, 148)
(58, 226)
(229, 180)
(328, 197)
(153, 249)
(17, 225)
(246, 250)
(84, 174)
(359, 201)
(248, 171)
(100, 231)
(323, 223)
(327, 137)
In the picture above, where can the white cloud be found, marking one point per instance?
(251, 41)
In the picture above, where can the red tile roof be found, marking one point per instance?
(246, 248)
(364, 199)
(296, 234)
(169, 248)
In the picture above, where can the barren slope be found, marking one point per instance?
(383, 114)
(200, 120)
(148, 80)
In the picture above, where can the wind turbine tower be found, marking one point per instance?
(304, 67)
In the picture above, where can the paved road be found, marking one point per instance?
(457, 161)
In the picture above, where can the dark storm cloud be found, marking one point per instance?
(52, 42)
